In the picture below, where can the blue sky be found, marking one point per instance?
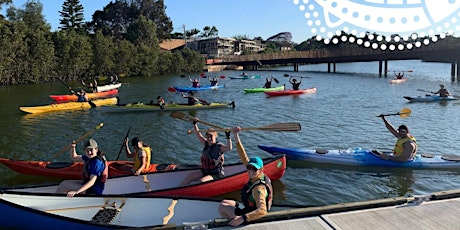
(303, 18)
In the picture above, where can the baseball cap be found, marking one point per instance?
(256, 162)
(91, 144)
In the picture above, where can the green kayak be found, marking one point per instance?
(132, 107)
(257, 90)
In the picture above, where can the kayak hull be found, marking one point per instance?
(291, 92)
(73, 97)
(201, 88)
(101, 88)
(68, 106)
(361, 157)
(259, 90)
(430, 98)
(245, 77)
(72, 170)
(398, 81)
(134, 107)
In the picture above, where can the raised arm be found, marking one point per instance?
(389, 126)
(239, 146)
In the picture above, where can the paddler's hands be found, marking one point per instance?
(238, 220)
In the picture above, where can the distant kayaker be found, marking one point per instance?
(295, 84)
(142, 155)
(256, 195)
(443, 92)
(214, 81)
(81, 95)
(268, 82)
(161, 102)
(195, 82)
(212, 157)
(406, 145)
(399, 75)
(91, 86)
(95, 172)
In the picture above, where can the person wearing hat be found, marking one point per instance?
(443, 92)
(142, 155)
(195, 82)
(406, 145)
(295, 84)
(256, 195)
(95, 172)
(212, 157)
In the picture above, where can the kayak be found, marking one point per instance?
(101, 88)
(205, 87)
(68, 106)
(430, 98)
(133, 107)
(398, 81)
(73, 97)
(291, 92)
(257, 90)
(245, 77)
(363, 157)
(72, 170)
(167, 183)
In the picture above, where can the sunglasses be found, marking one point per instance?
(251, 168)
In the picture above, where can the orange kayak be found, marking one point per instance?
(73, 97)
(73, 170)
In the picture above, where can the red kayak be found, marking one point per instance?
(73, 97)
(291, 92)
(72, 170)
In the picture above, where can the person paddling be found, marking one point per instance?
(443, 92)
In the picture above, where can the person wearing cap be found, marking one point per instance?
(295, 84)
(95, 172)
(212, 157)
(406, 145)
(256, 195)
(443, 92)
(141, 155)
(195, 82)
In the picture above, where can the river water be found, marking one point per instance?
(342, 114)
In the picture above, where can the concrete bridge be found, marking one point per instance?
(447, 51)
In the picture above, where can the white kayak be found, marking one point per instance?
(101, 88)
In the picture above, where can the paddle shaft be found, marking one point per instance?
(123, 145)
(79, 139)
(186, 117)
(277, 127)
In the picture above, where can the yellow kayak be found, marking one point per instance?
(68, 106)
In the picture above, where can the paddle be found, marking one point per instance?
(287, 75)
(405, 112)
(203, 75)
(79, 139)
(422, 90)
(73, 92)
(123, 145)
(276, 80)
(182, 76)
(187, 117)
(276, 127)
(222, 76)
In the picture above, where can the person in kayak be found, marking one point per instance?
(268, 82)
(142, 155)
(295, 84)
(212, 157)
(443, 92)
(95, 172)
(161, 102)
(399, 75)
(214, 81)
(91, 86)
(195, 82)
(81, 95)
(406, 145)
(256, 195)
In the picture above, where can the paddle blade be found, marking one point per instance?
(276, 80)
(223, 77)
(172, 90)
(202, 75)
(286, 75)
(182, 75)
(410, 71)
(181, 116)
(405, 112)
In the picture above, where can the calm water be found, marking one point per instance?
(342, 114)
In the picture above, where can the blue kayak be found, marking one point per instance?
(430, 98)
(362, 157)
(205, 87)
(245, 77)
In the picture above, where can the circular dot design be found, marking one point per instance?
(406, 21)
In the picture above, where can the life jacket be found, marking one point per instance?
(398, 149)
(195, 84)
(101, 178)
(208, 155)
(81, 97)
(268, 84)
(137, 159)
(295, 86)
(248, 199)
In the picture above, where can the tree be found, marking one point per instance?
(72, 16)
(209, 32)
(103, 55)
